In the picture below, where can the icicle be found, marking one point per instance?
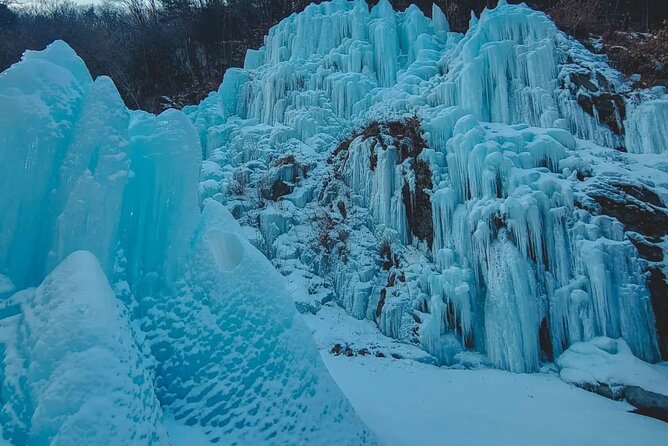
(441, 25)
(473, 23)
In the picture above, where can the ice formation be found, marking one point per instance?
(76, 371)
(234, 356)
(147, 311)
(521, 124)
(470, 194)
(646, 127)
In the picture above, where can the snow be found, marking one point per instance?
(331, 325)
(610, 362)
(411, 401)
(481, 407)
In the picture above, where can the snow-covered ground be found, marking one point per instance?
(409, 402)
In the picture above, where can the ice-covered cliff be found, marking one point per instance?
(479, 192)
(493, 198)
(127, 312)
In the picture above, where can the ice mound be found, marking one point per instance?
(146, 309)
(234, 356)
(610, 362)
(72, 370)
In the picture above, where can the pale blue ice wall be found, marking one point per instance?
(166, 313)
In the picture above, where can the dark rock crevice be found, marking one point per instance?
(598, 98)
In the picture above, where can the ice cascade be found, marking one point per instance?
(511, 256)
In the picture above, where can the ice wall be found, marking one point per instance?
(646, 130)
(338, 61)
(503, 213)
(519, 268)
(147, 311)
(514, 259)
(83, 172)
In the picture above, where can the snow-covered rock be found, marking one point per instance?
(608, 367)
(610, 362)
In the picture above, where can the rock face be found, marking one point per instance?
(654, 404)
(646, 403)
(596, 95)
(645, 218)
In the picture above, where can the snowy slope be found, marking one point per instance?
(407, 401)
(433, 406)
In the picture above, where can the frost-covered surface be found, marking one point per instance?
(513, 253)
(234, 356)
(150, 318)
(332, 327)
(605, 361)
